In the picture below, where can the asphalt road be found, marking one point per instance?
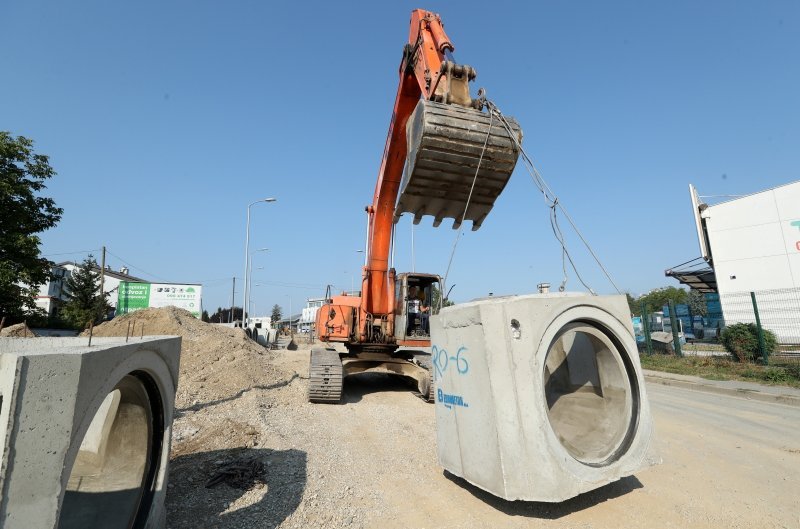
(727, 461)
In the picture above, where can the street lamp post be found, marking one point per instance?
(291, 333)
(250, 274)
(246, 307)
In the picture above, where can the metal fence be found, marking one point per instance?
(775, 310)
(770, 311)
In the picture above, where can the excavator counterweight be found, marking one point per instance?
(459, 161)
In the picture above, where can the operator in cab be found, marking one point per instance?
(418, 305)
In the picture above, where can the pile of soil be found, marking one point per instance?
(20, 330)
(216, 362)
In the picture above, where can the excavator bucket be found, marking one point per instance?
(445, 150)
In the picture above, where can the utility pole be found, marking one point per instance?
(233, 298)
(103, 280)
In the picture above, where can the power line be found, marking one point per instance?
(553, 203)
(71, 253)
(215, 281)
(136, 267)
(291, 285)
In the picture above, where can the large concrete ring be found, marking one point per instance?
(88, 430)
(594, 429)
(540, 397)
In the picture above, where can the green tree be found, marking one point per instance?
(435, 297)
(84, 303)
(204, 316)
(224, 315)
(633, 305)
(656, 299)
(277, 314)
(23, 214)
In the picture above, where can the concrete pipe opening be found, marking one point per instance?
(112, 478)
(591, 393)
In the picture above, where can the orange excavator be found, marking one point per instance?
(445, 157)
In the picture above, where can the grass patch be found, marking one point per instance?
(721, 368)
(703, 346)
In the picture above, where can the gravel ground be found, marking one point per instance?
(324, 465)
(370, 463)
(249, 451)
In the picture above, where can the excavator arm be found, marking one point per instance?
(420, 74)
(443, 157)
(452, 141)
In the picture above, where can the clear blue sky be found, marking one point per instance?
(164, 119)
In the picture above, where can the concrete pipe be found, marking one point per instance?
(539, 397)
(590, 397)
(88, 430)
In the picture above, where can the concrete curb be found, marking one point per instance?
(745, 390)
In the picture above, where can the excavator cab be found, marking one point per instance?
(416, 297)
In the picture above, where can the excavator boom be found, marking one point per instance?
(454, 155)
(444, 157)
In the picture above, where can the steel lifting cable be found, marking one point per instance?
(553, 203)
(466, 206)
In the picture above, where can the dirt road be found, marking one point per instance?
(371, 463)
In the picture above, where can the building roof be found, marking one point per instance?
(739, 197)
(108, 272)
(695, 274)
(294, 318)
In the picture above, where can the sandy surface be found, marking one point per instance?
(20, 330)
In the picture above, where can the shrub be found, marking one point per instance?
(793, 370)
(777, 375)
(741, 340)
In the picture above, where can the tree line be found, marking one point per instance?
(657, 299)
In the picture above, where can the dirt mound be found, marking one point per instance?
(20, 330)
(216, 362)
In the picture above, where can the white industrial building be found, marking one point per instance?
(750, 244)
(53, 293)
(309, 315)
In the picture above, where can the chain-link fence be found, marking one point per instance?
(773, 315)
(777, 311)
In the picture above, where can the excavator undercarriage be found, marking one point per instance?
(328, 368)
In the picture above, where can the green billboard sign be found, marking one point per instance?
(132, 296)
(136, 296)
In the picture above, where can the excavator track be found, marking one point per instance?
(325, 376)
(424, 361)
(447, 145)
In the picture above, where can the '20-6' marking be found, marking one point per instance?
(441, 360)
